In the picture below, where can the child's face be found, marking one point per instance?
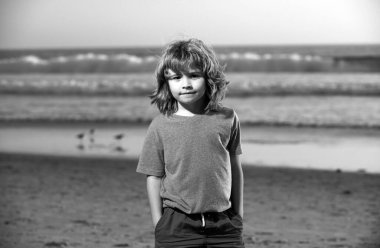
(187, 88)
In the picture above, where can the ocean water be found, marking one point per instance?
(241, 84)
(355, 58)
(279, 99)
(297, 111)
(317, 86)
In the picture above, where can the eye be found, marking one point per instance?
(195, 75)
(175, 77)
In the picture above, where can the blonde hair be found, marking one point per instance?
(181, 56)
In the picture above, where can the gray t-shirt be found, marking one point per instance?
(192, 154)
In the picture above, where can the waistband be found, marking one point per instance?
(203, 215)
(211, 216)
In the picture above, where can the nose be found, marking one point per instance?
(186, 83)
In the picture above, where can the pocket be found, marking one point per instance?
(239, 216)
(234, 213)
(235, 219)
(160, 220)
(171, 224)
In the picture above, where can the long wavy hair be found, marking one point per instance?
(181, 56)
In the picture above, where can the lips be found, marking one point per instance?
(187, 93)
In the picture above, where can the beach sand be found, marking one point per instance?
(56, 201)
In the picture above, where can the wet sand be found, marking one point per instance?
(63, 201)
(317, 148)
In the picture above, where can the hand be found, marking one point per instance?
(156, 219)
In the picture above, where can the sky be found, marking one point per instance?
(123, 23)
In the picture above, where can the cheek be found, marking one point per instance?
(202, 86)
(173, 89)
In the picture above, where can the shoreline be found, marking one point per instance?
(311, 148)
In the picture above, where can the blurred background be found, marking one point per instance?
(305, 75)
(75, 76)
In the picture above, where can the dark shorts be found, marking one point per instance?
(180, 230)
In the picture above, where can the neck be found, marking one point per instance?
(197, 108)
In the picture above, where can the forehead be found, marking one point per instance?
(169, 71)
(184, 62)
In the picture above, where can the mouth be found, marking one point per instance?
(187, 93)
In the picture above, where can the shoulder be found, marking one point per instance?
(158, 121)
(225, 116)
(227, 112)
(157, 124)
(155, 129)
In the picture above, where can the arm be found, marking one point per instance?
(237, 185)
(153, 184)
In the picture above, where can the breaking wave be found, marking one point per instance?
(92, 62)
(242, 84)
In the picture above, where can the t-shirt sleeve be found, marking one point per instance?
(151, 161)
(234, 146)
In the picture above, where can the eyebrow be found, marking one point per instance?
(195, 71)
(168, 74)
(172, 76)
(174, 73)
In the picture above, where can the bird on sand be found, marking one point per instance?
(117, 144)
(80, 136)
(92, 136)
(119, 136)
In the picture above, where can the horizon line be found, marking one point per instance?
(212, 45)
